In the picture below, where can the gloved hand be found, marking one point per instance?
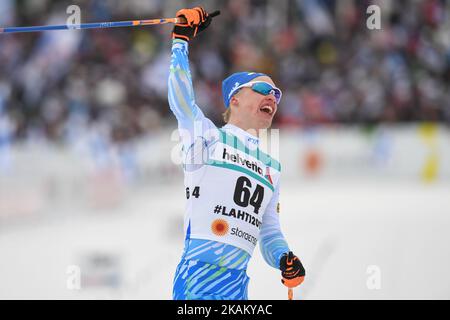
(292, 270)
(197, 20)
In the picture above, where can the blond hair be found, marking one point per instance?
(226, 115)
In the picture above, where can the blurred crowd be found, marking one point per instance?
(331, 67)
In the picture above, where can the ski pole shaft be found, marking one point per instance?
(97, 25)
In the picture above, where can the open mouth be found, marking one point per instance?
(267, 109)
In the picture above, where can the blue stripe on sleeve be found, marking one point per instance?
(272, 242)
(181, 92)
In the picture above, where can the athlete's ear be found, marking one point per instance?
(234, 101)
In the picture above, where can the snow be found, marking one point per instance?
(338, 229)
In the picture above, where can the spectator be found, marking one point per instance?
(330, 66)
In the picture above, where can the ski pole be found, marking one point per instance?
(97, 25)
(290, 294)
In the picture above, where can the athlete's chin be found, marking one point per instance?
(265, 124)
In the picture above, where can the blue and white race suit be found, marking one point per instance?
(233, 192)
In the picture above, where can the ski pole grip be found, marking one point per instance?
(215, 13)
(183, 19)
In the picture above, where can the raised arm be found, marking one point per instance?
(181, 91)
(191, 120)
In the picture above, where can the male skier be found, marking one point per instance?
(232, 187)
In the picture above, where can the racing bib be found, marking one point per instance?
(227, 197)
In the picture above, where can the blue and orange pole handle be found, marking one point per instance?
(98, 25)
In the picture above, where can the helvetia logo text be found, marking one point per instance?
(220, 227)
(236, 158)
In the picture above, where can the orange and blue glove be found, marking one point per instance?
(292, 270)
(197, 20)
